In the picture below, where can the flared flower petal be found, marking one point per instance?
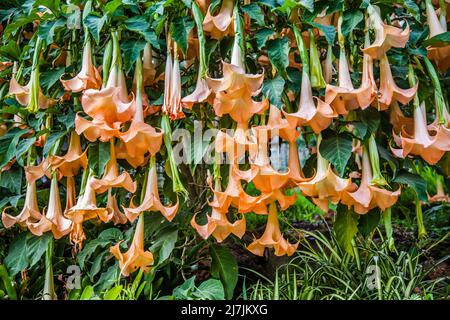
(69, 164)
(88, 77)
(221, 24)
(200, 94)
(136, 257)
(30, 210)
(116, 216)
(95, 129)
(272, 238)
(23, 94)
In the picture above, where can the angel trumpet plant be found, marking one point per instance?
(367, 196)
(136, 257)
(318, 118)
(69, 164)
(31, 95)
(202, 91)
(324, 186)
(88, 77)
(53, 220)
(220, 25)
(440, 195)
(439, 54)
(431, 147)
(272, 237)
(141, 138)
(172, 106)
(344, 97)
(386, 36)
(151, 200)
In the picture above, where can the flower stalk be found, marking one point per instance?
(438, 96)
(49, 286)
(317, 80)
(378, 178)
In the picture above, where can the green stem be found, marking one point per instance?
(378, 178)
(8, 283)
(317, 80)
(33, 105)
(49, 287)
(198, 17)
(387, 219)
(438, 96)
(107, 58)
(302, 48)
(422, 233)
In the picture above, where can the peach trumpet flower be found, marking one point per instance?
(30, 210)
(220, 25)
(440, 55)
(399, 120)
(116, 216)
(85, 209)
(367, 196)
(324, 186)
(96, 129)
(71, 196)
(272, 237)
(430, 143)
(53, 220)
(69, 164)
(386, 36)
(200, 94)
(389, 91)
(23, 94)
(111, 177)
(317, 117)
(344, 97)
(88, 77)
(136, 257)
(151, 201)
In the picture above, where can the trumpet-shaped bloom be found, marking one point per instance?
(324, 185)
(430, 143)
(136, 257)
(148, 66)
(172, 88)
(53, 220)
(440, 195)
(151, 201)
(96, 129)
(389, 91)
(71, 196)
(368, 196)
(272, 237)
(386, 36)
(23, 94)
(88, 77)
(69, 164)
(220, 25)
(111, 177)
(344, 97)
(30, 210)
(440, 55)
(318, 118)
(116, 216)
(200, 94)
(399, 120)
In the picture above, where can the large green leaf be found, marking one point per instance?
(210, 289)
(140, 25)
(345, 228)
(180, 29)
(338, 150)
(12, 180)
(225, 268)
(440, 40)
(414, 181)
(278, 52)
(254, 12)
(351, 19)
(262, 35)
(273, 89)
(37, 246)
(17, 258)
(95, 25)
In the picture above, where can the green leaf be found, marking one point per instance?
(95, 25)
(368, 222)
(10, 51)
(17, 259)
(98, 157)
(112, 6)
(225, 268)
(49, 78)
(47, 30)
(254, 12)
(345, 228)
(108, 278)
(350, 20)
(328, 31)
(165, 244)
(12, 180)
(179, 29)
(262, 35)
(88, 293)
(53, 5)
(22, 148)
(210, 289)
(51, 140)
(140, 25)
(273, 89)
(8, 145)
(113, 293)
(278, 52)
(440, 40)
(414, 181)
(37, 246)
(131, 51)
(338, 150)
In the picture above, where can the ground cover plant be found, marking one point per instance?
(227, 149)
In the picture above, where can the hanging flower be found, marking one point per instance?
(71, 196)
(30, 210)
(367, 196)
(220, 25)
(317, 117)
(440, 55)
(386, 36)
(440, 195)
(389, 91)
(324, 185)
(151, 201)
(399, 120)
(69, 164)
(272, 237)
(53, 220)
(88, 77)
(135, 258)
(116, 216)
(111, 177)
(428, 143)
(96, 129)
